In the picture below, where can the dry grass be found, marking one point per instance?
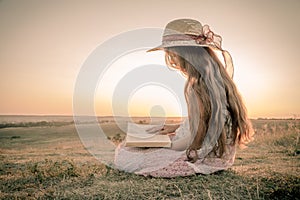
(51, 163)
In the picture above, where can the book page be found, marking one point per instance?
(140, 130)
(137, 136)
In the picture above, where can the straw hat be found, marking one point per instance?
(190, 32)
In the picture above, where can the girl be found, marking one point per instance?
(217, 118)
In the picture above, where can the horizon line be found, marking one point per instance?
(70, 115)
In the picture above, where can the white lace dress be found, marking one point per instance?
(171, 162)
(165, 162)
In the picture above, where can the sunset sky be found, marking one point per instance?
(43, 45)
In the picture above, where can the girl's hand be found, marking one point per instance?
(164, 130)
(155, 129)
(169, 129)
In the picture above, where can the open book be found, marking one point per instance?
(137, 136)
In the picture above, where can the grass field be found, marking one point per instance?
(49, 162)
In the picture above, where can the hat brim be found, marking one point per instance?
(163, 46)
(226, 56)
(160, 47)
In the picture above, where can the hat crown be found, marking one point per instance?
(183, 26)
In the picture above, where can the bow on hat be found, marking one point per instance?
(209, 38)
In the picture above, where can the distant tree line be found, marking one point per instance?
(34, 124)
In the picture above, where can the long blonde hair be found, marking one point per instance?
(189, 60)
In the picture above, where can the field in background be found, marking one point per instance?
(45, 159)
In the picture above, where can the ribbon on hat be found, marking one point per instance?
(211, 39)
(228, 63)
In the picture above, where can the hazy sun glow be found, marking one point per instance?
(44, 45)
(146, 99)
(154, 100)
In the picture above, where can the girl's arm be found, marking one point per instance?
(181, 143)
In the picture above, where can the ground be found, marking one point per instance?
(48, 161)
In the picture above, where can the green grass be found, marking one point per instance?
(51, 163)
